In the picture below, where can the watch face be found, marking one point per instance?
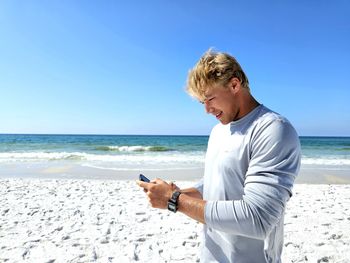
(171, 207)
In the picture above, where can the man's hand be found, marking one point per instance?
(190, 202)
(174, 187)
(158, 192)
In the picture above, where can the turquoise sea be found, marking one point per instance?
(145, 152)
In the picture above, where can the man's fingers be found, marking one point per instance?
(158, 181)
(144, 185)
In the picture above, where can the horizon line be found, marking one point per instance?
(133, 134)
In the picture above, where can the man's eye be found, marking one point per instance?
(206, 100)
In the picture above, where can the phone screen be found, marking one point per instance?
(144, 178)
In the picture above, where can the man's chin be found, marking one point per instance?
(224, 122)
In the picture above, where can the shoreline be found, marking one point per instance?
(309, 174)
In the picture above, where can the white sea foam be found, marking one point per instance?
(32, 156)
(151, 158)
(134, 148)
(162, 158)
(130, 148)
(326, 161)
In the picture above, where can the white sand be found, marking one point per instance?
(111, 221)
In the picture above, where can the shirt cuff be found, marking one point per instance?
(208, 217)
(199, 186)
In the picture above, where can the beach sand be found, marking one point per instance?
(84, 220)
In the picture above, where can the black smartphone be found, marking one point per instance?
(144, 178)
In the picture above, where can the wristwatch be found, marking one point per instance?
(172, 203)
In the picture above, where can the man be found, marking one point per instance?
(252, 159)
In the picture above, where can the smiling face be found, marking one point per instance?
(213, 69)
(223, 102)
(218, 81)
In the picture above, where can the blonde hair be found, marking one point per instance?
(214, 68)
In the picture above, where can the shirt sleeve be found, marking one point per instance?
(199, 186)
(274, 164)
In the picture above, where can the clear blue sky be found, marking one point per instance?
(120, 67)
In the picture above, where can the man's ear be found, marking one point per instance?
(235, 85)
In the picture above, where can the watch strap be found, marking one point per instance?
(173, 202)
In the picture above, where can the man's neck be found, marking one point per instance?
(248, 104)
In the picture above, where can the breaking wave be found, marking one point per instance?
(137, 148)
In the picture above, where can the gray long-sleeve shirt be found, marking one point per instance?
(250, 169)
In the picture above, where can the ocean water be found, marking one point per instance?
(326, 151)
(113, 152)
(125, 152)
